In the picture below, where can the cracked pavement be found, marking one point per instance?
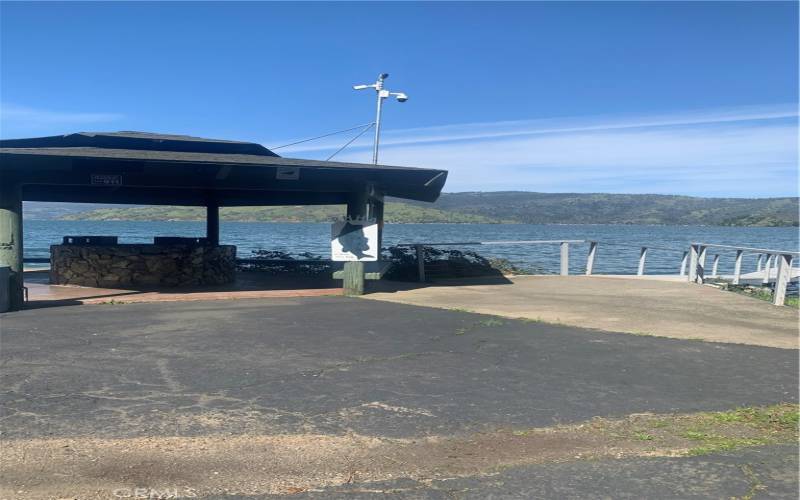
(341, 366)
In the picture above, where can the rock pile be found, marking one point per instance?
(142, 265)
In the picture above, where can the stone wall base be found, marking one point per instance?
(142, 265)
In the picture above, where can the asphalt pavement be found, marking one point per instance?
(335, 365)
(767, 472)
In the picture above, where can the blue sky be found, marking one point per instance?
(684, 98)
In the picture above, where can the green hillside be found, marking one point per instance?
(511, 207)
(394, 213)
(599, 208)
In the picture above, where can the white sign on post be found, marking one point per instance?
(354, 240)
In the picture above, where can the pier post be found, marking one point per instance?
(758, 263)
(420, 262)
(642, 257)
(737, 267)
(11, 242)
(767, 268)
(590, 258)
(782, 280)
(697, 263)
(353, 272)
(564, 258)
(701, 264)
(353, 279)
(684, 261)
(715, 266)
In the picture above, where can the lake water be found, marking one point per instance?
(618, 250)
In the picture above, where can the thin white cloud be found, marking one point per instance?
(15, 117)
(487, 130)
(748, 151)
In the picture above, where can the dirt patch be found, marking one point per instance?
(284, 464)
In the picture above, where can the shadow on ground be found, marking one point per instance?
(249, 284)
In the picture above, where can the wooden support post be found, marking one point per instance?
(212, 224)
(564, 258)
(353, 272)
(715, 266)
(758, 263)
(590, 258)
(353, 279)
(684, 261)
(767, 269)
(782, 280)
(420, 262)
(642, 257)
(11, 243)
(737, 267)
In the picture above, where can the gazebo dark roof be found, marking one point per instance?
(145, 168)
(144, 141)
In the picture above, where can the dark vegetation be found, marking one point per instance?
(446, 263)
(439, 263)
(765, 292)
(278, 262)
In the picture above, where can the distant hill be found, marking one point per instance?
(599, 208)
(37, 210)
(510, 207)
(394, 213)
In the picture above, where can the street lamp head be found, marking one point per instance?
(382, 95)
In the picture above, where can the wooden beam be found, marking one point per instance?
(212, 224)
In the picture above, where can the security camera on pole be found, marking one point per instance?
(382, 94)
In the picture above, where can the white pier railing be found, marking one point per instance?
(692, 263)
(778, 260)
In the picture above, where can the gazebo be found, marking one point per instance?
(155, 169)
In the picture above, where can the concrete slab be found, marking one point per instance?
(249, 285)
(634, 305)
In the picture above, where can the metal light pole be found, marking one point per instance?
(382, 94)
